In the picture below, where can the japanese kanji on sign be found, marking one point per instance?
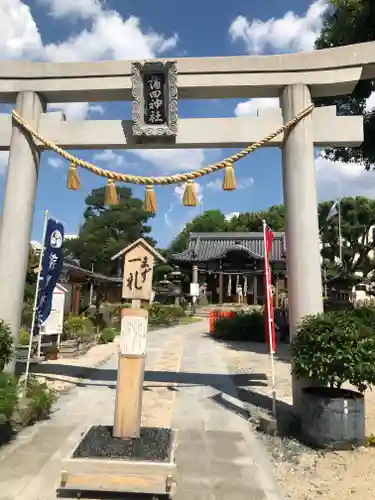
(51, 267)
(154, 90)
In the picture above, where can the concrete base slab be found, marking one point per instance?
(105, 475)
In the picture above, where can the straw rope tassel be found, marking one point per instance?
(111, 197)
(229, 181)
(73, 181)
(190, 195)
(163, 180)
(149, 204)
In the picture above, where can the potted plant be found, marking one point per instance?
(331, 349)
(6, 345)
(51, 352)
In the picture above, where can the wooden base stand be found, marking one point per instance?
(81, 475)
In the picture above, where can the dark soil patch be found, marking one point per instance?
(6, 433)
(152, 445)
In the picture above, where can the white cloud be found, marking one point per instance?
(109, 36)
(84, 9)
(55, 162)
(290, 33)
(251, 106)
(180, 188)
(175, 160)
(167, 220)
(77, 110)
(19, 34)
(336, 179)
(217, 184)
(114, 160)
(232, 215)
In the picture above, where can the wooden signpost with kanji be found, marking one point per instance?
(139, 260)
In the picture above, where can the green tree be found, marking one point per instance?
(350, 22)
(107, 230)
(357, 218)
(252, 221)
(209, 221)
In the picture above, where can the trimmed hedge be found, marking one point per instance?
(241, 327)
(107, 335)
(164, 315)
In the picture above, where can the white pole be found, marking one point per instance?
(270, 340)
(340, 239)
(35, 303)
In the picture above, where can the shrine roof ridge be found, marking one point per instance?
(204, 247)
(233, 235)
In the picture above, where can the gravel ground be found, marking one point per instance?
(303, 473)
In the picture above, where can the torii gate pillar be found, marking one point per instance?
(301, 215)
(17, 214)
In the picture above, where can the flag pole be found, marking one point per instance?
(270, 339)
(36, 302)
(340, 239)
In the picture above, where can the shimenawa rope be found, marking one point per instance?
(189, 198)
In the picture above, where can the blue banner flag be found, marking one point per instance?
(52, 263)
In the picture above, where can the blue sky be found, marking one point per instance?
(64, 30)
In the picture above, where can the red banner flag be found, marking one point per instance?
(268, 236)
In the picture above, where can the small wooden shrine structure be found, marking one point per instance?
(222, 261)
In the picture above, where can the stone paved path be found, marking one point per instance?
(187, 386)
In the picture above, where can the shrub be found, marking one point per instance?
(77, 328)
(8, 395)
(6, 344)
(24, 338)
(163, 314)
(364, 316)
(241, 327)
(41, 399)
(333, 348)
(107, 335)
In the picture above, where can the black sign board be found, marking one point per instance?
(155, 92)
(154, 96)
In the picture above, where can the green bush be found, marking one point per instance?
(41, 399)
(107, 335)
(333, 348)
(241, 327)
(24, 338)
(77, 328)
(8, 396)
(364, 316)
(6, 344)
(163, 314)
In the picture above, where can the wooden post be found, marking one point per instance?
(137, 286)
(130, 373)
(221, 285)
(277, 286)
(255, 288)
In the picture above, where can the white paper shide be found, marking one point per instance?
(133, 336)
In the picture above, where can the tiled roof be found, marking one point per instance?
(70, 265)
(204, 247)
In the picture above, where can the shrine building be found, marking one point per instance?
(223, 261)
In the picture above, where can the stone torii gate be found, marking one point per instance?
(294, 78)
